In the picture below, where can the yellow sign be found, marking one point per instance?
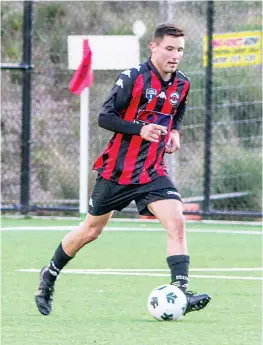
(234, 49)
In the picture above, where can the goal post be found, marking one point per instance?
(113, 52)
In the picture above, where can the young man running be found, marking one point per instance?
(145, 110)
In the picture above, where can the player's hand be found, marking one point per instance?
(152, 132)
(173, 143)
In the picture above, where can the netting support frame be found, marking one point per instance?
(208, 109)
(26, 108)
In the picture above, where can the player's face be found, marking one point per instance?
(167, 53)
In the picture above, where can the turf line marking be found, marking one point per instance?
(142, 274)
(232, 269)
(137, 220)
(142, 229)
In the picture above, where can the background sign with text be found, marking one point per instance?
(234, 49)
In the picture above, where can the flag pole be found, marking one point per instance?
(79, 85)
(84, 153)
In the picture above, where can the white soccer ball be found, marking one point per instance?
(167, 302)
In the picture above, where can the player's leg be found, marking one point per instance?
(170, 214)
(87, 232)
(100, 211)
(106, 196)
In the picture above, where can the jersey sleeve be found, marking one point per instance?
(117, 103)
(178, 118)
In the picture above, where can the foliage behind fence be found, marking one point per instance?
(237, 102)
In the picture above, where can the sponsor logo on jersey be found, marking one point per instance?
(162, 95)
(174, 193)
(174, 98)
(138, 67)
(150, 94)
(149, 116)
(119, 82)
(127, 72)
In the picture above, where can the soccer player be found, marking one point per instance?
(144, 110)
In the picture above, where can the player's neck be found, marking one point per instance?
(165, 76)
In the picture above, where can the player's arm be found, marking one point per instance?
(116, 104)
(173, 143)
(178, 118)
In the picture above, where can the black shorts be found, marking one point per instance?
(108, 195)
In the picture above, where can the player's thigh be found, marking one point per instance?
(168, 211)
(95, 224)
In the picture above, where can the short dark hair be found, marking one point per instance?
(167, 29)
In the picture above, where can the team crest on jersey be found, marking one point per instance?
(150, 94)
(174, 98)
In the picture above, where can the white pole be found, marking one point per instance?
(84, 153)
(169, 11)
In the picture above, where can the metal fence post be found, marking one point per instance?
(26, 109)
(208, 108)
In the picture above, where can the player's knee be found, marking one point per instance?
(177, 220)
(93, 233)
(176, 226)
(89, 233)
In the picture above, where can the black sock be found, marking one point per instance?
(179, 265)
(58, 261)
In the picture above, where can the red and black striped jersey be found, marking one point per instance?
(140, 96)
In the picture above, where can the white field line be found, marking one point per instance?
(232, 269)
(38, 228)
(137, 220)
(137, 273)
(69, 228)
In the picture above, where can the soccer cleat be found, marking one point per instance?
(43, 296)
(196, 302)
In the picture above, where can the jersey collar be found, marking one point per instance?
(156, 72)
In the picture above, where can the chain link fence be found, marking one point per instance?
(237, 101)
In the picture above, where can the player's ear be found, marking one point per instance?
(152, 45)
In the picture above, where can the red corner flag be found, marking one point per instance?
(83, 77)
